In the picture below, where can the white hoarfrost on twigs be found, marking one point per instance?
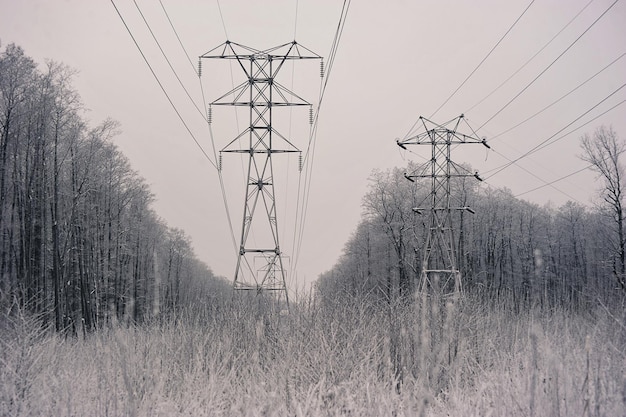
(428, 358)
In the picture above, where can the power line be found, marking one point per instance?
(293, 70)
(532, 174)
(578, 128)
(219, 172)
(177, 37)
(559, 138)
(491, 139)
(312, 142)
(530, 59)
(222, 17)
(295, 25)
(484, 59)
(549, 66)
(555, 181)
(161, 86)
(167, 60)
(311, 146)
(224, 199)
(540, 146)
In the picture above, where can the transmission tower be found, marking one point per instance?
(439, 271)
(261, 264)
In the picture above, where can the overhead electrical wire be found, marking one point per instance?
(546, 183)
(546, 141)
(410, 132)
(530, 59)
(310, 151)
(161, 86)
(232, 82)
(221, 181)
(545, 144)
(167, 59)
(219, 8)
(180, 42)
(580, 127)
(241, 159)
(222, 187)
(219, 172)
(554, 181)
(312, 142)
(549, 66)
(311, 145)
(492, 138)
(483, 60)
(295, 25)
(323, 85)
(532, 174)
(293, 69)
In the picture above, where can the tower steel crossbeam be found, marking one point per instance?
(260, 266)
(439, 271)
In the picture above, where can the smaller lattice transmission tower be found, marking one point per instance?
(260, 262)
(440, 271)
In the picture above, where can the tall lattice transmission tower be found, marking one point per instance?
(260, 263)
(440, 271)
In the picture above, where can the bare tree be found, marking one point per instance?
(603, 151)
(389, 203)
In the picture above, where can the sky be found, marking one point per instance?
(396, 60)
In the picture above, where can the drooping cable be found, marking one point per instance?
(219, 8)
(546, 141)
(177, 37)
(167, 59)
(484, 59)
(491, 139)
(295, 24)
(530, 59)
(304, 191)
(546, 183)
(549, 66)
(221, 180)
(219, 172)
(579, 127)
(534, 175)
(161, 86)
(293, 69)
(554, 181)
(310, 153)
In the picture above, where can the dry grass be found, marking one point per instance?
(352, 359)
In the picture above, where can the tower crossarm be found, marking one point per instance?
(446, 133)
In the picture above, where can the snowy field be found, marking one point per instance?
(465, 359)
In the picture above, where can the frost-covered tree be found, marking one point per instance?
(603, 151)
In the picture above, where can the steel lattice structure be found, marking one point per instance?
(439, 262)
(260, 266)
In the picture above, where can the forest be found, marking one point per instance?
(79, 243)
(106, 310)
(507, 249)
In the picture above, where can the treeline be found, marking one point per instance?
(509, 251)
(79, 243)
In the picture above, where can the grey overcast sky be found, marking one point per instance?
(397, 60)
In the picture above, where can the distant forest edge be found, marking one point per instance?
(80, 245)
(509, 250)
